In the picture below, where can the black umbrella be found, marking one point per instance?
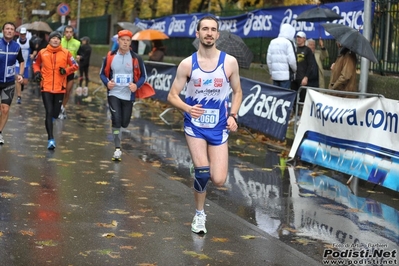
(318, 14)
(351, 39)
(233, 45)
(130, 26)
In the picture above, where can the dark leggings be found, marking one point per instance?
(84, 70)
(121, 112)
(52, 104)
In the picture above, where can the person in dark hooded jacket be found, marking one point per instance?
(158, 51)
(84, 62)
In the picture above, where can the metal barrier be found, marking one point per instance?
(328, 91)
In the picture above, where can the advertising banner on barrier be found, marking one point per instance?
(265, 107)
(261, 22)
(358, 137)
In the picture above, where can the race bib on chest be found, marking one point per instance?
(208, 119)
(123, 79)
(10, 71)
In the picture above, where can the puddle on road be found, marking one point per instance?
(307, 208)
(302, 207)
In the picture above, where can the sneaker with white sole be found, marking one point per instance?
(62, 114)
(79, 91)
(51, 144)
(117, 155)
(85, 91)
(1, 139)
(198, 224)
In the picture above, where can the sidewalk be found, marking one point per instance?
(74, 206)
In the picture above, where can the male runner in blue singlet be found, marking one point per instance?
(209, 74)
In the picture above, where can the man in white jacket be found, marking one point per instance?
(281, 57)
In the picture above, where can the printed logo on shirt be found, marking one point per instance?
(218, 82)
(208, 82)
(197, 82)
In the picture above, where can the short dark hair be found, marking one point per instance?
(207, 18)
(69, 27)
(8, 23)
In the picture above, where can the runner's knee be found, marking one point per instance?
(201, 178)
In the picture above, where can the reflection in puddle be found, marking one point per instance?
(292, 204)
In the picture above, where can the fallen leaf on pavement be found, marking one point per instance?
(196, 255)
(135, 234)
(7, 195)
(118, 211)
(27, 232)
(267, 169)
(334, 207)
(108, 235)
(314, 174)
(102, 183)
(9, 178)
(136, 216)
(219, 239)
(46, 243)
(248, 237)
(127, 247)
(302, 241)
(112, 224)
(30, 204)
(175, 178)
(227, 252)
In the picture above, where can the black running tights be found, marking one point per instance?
(52, 104)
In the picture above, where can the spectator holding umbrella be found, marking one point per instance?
(343, 71)
(158, 51)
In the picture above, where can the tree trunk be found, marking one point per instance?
(181, 7)
(136, 10)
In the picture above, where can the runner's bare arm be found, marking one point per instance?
(182, 74)
(232, 72)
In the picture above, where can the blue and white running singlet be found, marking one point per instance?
(211, 89)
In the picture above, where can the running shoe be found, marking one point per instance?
(1, 139)
(79, 91)
(117, 155)
(51, 144)
(198, 224)
(19, 100)
(62, 114)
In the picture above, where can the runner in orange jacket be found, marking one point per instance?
(52, 66)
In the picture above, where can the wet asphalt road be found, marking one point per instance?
(48, 198)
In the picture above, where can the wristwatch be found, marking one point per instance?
(235, 117)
